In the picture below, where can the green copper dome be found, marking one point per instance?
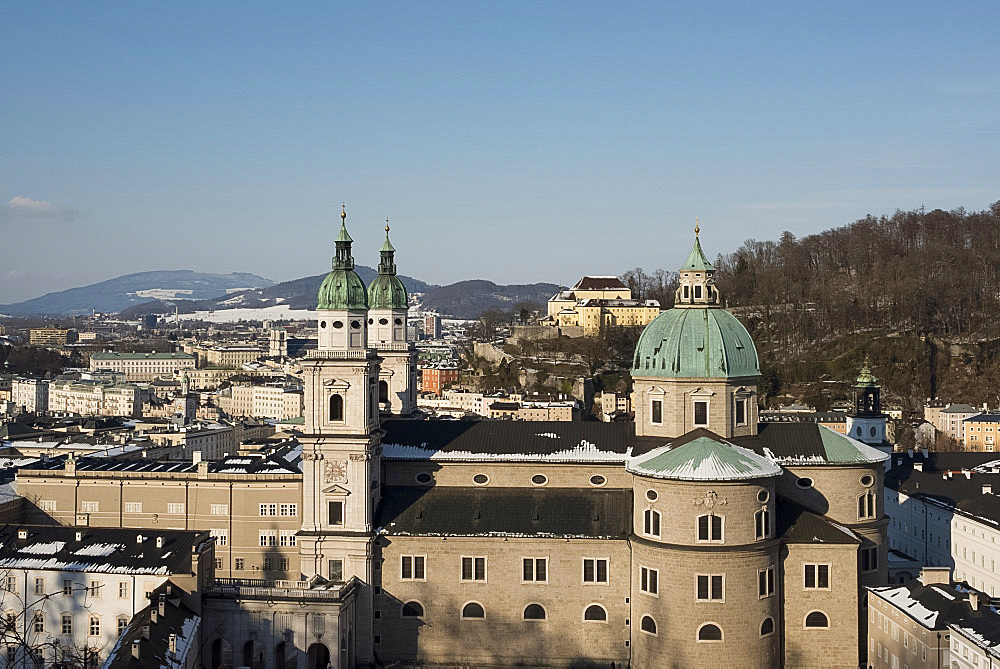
(695, 343)
(387, 291)
(342, 289)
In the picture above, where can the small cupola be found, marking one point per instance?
(697, 279)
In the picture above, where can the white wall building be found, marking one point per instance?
(30, 395)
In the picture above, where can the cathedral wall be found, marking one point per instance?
(834, 490)
(503, 636)
(398, 369)
(833, 646)
(679, 395)
(679, 614)
(507, 474)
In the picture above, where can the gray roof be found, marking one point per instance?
(808, 444)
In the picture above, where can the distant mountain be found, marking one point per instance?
(115, 295)
(297, 294)
(468, 299)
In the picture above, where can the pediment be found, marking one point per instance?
(702, 392)
(336, 489)
(336, 384)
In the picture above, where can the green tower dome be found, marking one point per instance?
(387, 291)
(697, 338)
(342, 289)
(695, 343)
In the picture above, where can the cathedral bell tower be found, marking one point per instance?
(341, 461)
(388, 302)
(866, 422)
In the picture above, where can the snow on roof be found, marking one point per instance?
(48, 548)
(584, 451)
(704, 457)
(99, 550)
(902, 599)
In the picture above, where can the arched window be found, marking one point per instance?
(651, 523)
(595, 612)
(336, 407)
(648, 625)
(767, 627)
(709, 632)
(762, 523)
(710, 527)
(473, 610)
(866, 505)
(383, 392)
(534, 612)
(817, 619)
(413, 610)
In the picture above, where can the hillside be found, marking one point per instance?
(122, 292)
(468, 299)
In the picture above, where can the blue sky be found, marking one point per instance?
(512, 141)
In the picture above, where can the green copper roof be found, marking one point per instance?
(839, 448)
(702, 456)
(342, 289)
(866, 379)
(387, 292)
(697, 260)
(695, 343)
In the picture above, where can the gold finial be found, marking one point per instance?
(343, 212)
(696, 228)
(386, 225)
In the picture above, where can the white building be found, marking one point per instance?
(974, 643)
(143, 366)
(30, 395)
(262, 401)
(69, 593)
(94, 398)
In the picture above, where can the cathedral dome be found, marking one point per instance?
(695, 343)
(387, 291)
(342, 289)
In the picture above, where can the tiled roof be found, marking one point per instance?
(522, 512)
(101, 550)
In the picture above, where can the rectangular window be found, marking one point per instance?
(90, 506)
(336, 570)
(697, 291)
(710, 587)
(67, 587)
(700, 413)
(67, 625)
(595, 570)
(412, 567)
(239, 563)
(649, 581)
(95, 626)
(473, 568)
(95, 589)
(175, 507)
(286, 538)
(10, 584)
(219, 509)
(221, 536)
(710, 527)
(268, 564)
(741, 412)
(534, 570)
(289, 509)
(765, 582)
(283, 564)
(657, 413)
(817, 576)
(133, 507)
(123, 590)
(763, 523)
(39, 586)
(268, 537)
(269, 509)
(336, 513)
(869, 559)
(39, 622)
(47, 505)
(122, 624)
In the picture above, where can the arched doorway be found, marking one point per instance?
(222, 654)
(253, 655)
(318, 657)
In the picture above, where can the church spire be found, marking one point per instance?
(697, 278)
(343, 258)
(387, 265)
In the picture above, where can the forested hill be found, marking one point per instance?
(917, 291)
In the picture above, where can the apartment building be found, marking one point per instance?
(982, 432)
(95, 398)
(30, 395)
(143, 366)
(278, 402)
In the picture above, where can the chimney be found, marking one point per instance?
(918, 466)
(79, 536)
(195, 457)
(974, 600)
(159, 542)
(968, 473)
(138, 538)
(135, 649)
(22, 534)
(145, 632)
(987, 488)
(152, 617)
(929, 575)
(161, 605)
(173, 643)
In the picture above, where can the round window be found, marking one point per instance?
(858, 431)
(480, 479)
(423, 478)
(651, 495)
(338, 324)
(383, 321)
(597, 479)
(322, 324)
(763, 496)
(539, 479)
(867, 480)
(804, 482)
(371, 321)
(873, 432)
(356, 324)
(398, 321)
